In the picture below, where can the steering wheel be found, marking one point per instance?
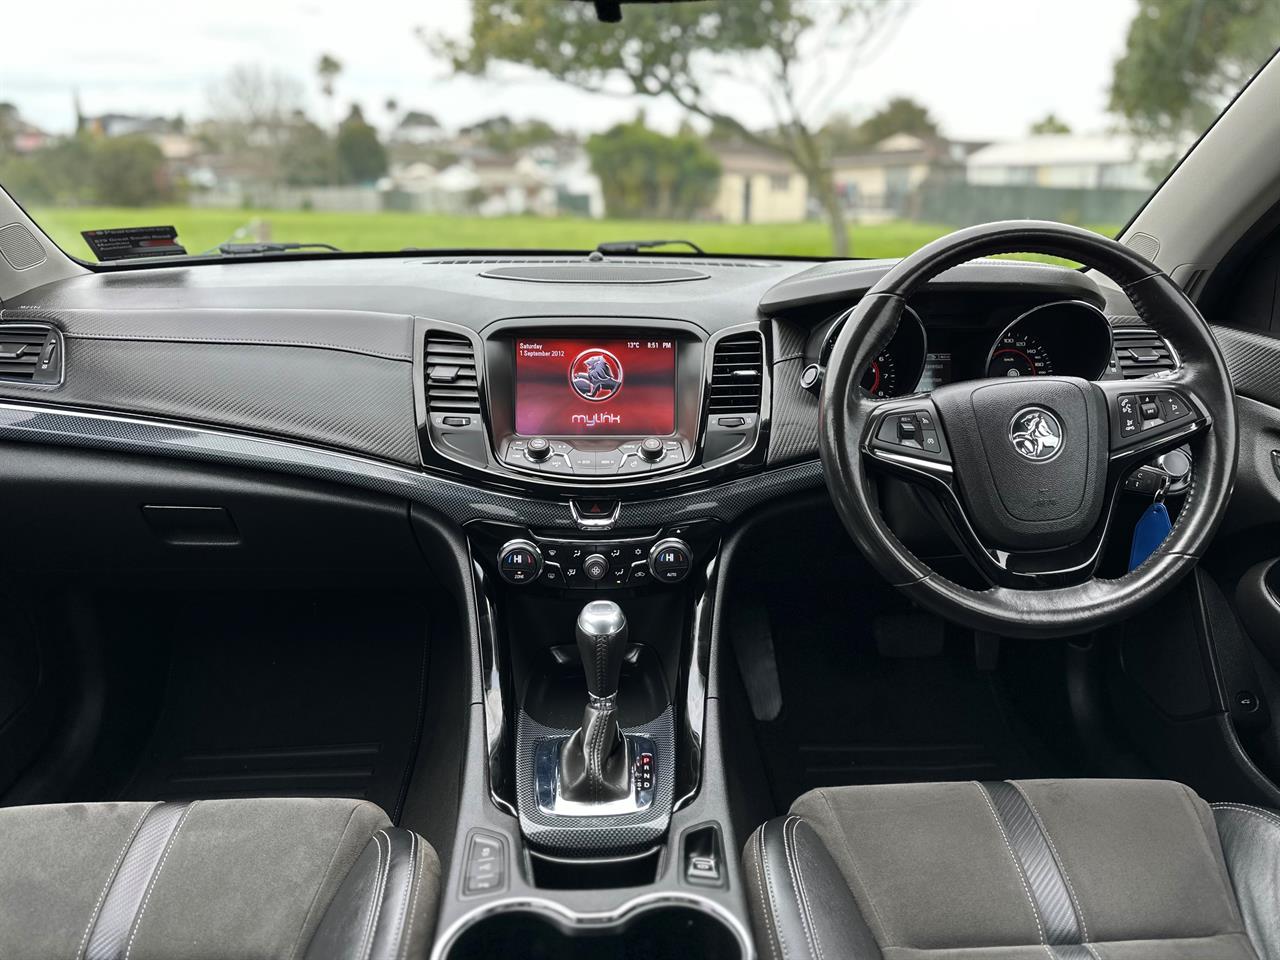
(1027, 471)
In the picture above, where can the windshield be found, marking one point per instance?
(828, 128)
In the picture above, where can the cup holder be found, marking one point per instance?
(657, 931)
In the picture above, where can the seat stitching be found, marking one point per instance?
(853, 863)
(111, 875)
(1035, 913)
(1259, 812)
(155, 878)
(1225, 889)
(776, 944)
(367, 936)
(346, 827)
(413, 906)
(381, 897)
(408, 890)
(1035, 812)
(802, 902)
(1092, 952)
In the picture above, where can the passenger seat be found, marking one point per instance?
(313, 879)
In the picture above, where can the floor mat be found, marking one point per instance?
(853, 715)
(293, 694)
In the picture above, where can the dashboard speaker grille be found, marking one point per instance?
(30, 353)
(595, 273)
(452, 385)
(737, 374)
(19, 247)
(1141, 351)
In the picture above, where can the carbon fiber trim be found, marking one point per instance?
(595, 834)
(458, 501)
(1253, 360)
(1043, 874)
(331, 385)
(793, 431)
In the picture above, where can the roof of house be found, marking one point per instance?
(739, 157)
(906, 149)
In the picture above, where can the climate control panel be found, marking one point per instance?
(564, 561)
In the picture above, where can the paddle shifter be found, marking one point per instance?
(595, 766)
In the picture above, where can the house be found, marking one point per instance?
(883, 180)
(758, 185)
(417, 129)
(1072, 161)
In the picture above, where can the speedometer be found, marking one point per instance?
(1019, 355)
(881, 378)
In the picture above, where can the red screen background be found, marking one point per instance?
(546, 401)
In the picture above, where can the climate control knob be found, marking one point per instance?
(595, 567)
(519, 562)
(651, 449)
(670, 560)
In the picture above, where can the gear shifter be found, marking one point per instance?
(594, 766)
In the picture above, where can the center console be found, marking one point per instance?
(601, 822)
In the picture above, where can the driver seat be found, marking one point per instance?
(1027, 870)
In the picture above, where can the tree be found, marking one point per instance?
(361, 157)
(254, 113)
(307, 155)
(676, 51)
(646, 174)
(899, 115)
(128, 172)
(327, 69)
(1050, 123)
(1184, 59)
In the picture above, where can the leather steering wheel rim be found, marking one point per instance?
(847, 412)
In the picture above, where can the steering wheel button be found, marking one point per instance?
(929, 441)
(1150, 411)
(1172, 407)
(906, 428)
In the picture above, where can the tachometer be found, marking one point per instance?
(881, 378)
(1019, 355)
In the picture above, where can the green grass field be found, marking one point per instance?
(200, 230)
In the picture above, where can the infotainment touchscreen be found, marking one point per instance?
(595, 387)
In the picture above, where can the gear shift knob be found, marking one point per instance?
(602, 643)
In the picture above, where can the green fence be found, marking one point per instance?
(963, 204)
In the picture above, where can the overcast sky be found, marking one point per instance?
(986, 69)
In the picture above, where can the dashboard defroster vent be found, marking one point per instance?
(30, 353)
(737, 374)
(1141, 351)
(452, 385)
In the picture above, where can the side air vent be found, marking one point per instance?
(30, 353)
(1141, 351)
(452, 386)
(737, 374)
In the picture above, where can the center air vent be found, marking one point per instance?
(1141, 351)
(452, 386)
(30, 353)
(737, 374)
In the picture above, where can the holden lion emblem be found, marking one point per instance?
(1036, 434)
(595, 374)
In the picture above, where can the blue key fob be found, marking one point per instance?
(1153, 526)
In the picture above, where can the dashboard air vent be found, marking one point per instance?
(30, 353)
(452, 386)
(737, 374)
(1141, 351)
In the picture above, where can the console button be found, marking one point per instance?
(608, 461)
(486, 867)
(595, 568)
(632, 464)
(583, 461)
(640, 572)
(558, 464)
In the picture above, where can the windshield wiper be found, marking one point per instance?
(243, 249)
(635, 246)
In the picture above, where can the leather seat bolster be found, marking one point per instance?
(385, 906)
(801, 905)
(1251, 846)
